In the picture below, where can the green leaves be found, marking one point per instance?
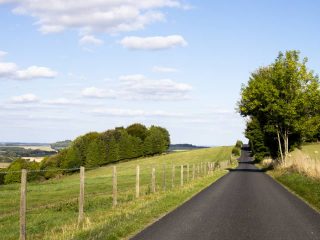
(284, 98)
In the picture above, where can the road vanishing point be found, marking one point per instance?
(245, 204)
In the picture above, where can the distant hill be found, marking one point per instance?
(183, 147)
(16, 144)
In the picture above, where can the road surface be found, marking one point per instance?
(244, 204)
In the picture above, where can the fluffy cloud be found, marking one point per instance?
(116, 112)
(11, 71)
(162, 69)
(90, 40)
(93, 92)
(8, 69)
(94, 15)
(141, 87)
(153, 43)
(26, 98)
(35, 72)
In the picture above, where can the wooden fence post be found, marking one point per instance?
(198, 170)
(153, 180)
(173, 175)
(23, 205)
(81, 196)
(114, 186)
(205, 166)
(193, 171)
(181, 178)
(138, 181)
(188, 173)
(164, 177)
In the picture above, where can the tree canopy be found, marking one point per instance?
(282, 103)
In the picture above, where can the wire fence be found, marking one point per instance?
(106, 187)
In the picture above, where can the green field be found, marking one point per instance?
(52, 205)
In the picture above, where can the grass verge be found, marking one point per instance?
(305, 187)
(130, 218)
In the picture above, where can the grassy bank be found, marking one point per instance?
(52, 205)
(306, 187)
(301, 173)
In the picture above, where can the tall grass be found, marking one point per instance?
(306, 161)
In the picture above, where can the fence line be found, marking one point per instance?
(198, 170)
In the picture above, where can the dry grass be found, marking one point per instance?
(306, 161)
(42, 148)
(4, 165)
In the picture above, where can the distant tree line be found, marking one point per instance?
(281, 102)
(184, 146)
(96, 149)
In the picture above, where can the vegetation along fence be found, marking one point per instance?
(105, 187)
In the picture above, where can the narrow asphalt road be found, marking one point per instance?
(244, 204)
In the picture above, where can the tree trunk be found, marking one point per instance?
(280, 147)
(286, 143)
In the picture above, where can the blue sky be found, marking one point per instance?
(69, 67)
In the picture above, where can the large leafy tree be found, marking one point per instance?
(283, 98)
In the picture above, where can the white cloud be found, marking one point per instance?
(153, 43)
(90, 40)
(162, 69)
(141, 87)
(116, 112)
(93, 92)
(35, 72)
(10, 70)
(2, 54)
(26, 98)
(111, 16)
(61, 101)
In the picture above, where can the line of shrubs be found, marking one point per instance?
(95, 149)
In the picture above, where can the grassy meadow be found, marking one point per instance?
(52, 206)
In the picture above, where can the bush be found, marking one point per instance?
(14, 171)
(2, 175)
(236, 151)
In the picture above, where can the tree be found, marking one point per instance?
(96, 153)
(282, 98)
(157, 141)
(111, 146)
(137, 130)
